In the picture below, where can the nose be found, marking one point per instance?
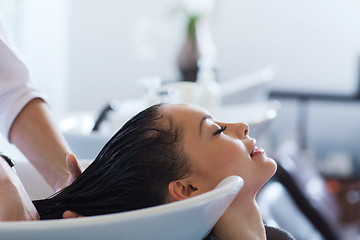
(241, 130)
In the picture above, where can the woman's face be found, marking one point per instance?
(217, 150)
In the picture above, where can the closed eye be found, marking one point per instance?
(222, 129)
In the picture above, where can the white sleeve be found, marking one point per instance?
(15, 88)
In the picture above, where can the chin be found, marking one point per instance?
(272, 163)
(269, 169)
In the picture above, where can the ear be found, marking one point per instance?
(71, 214)
(183, 189)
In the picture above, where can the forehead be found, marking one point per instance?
(185, 115)
(188, 120)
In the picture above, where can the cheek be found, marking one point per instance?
(221, 162)
(234, 156)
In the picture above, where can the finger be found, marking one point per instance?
(71, 214)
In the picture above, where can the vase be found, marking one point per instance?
(189, 53)
(198, 45)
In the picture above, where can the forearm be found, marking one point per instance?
(38, 138)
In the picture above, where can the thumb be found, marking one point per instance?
(73, 165)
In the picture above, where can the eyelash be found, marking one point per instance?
(222, 129)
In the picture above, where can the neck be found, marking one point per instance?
(242, 220)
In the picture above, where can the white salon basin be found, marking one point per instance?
(188, 219)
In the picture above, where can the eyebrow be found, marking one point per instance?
(206, 116)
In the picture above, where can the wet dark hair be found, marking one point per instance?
(132, 171)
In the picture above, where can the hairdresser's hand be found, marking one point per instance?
(75, 169)
(15, 203)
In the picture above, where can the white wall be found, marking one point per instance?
(314, 45)
(86, 52)
(106, 54)
(45, 46)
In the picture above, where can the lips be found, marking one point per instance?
(256, 150)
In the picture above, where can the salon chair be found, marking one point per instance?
(188, 219)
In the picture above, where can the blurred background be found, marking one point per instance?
(86, 53)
